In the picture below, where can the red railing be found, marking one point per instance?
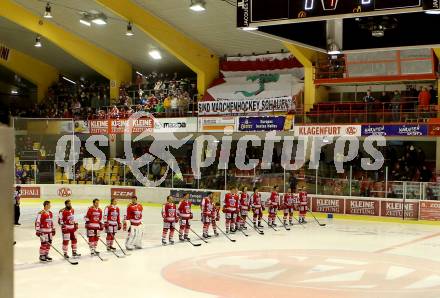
(356, 112)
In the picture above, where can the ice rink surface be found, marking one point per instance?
(343, 259)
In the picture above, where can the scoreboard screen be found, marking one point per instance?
(285, 11)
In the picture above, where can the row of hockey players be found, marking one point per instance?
(95, 222)
(235, 207)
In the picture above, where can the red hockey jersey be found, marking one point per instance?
(134, 214)
(44, 222)
(207, 206)
(169, 213)
(303, 198)
(274, 200)
(256, 201)
(231, 202)
(112, 215)
(288, 200)
(66, 219)
(244, 201)
(93, 218)
(184, 209)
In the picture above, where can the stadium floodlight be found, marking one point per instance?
(38, 42)
(100, 19)
(129, 29)
(48, 11)
(197, 5)
(155, 54)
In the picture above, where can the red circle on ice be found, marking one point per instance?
(307, 273)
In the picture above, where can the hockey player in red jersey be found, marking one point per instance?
(169, 215)
(45, 230)
(244, 204)
(303, 205)
(207, 208)
(288, 206)
(257, 208)
(112, 222)
(185, 216)
(273, 204)
(215, 217)
(69, 226)
(133, 223)
(94, 225)
(230, 208)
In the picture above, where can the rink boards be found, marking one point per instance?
(391, 208)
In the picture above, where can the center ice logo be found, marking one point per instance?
(307, 273)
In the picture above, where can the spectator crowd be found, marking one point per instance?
(161, 94)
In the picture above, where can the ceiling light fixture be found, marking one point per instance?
(197, 5)
(100, 19)
(333, 48)
(129, 29)
(155, 54)
(38, 42)
(14, 92)
(85, 20)
(249, 28)
(435, 12)
(48, 11)
(69, 80)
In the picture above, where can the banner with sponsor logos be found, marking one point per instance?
(327, 130)
(430, 210)
(195, 197)
(268, 123)
(117, 126)
(434, 130)
(98, 127)
(64, 192)
(30, 192)
(328, 205)
(256, 87)
(268, 105)
(395, 130)
(216, 124)
(122, 193)
(362, 207)
(395, 209)
(175, 124)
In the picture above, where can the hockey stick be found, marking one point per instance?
(244, 233)
(102, 241)
(284, 225)
(317, 221)
(96, 253)
(123, 251)
(198, 235)
(192, 243)
(226, 235)
(297, 220)
(256, 229)
(268, 224)
(55, 249)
